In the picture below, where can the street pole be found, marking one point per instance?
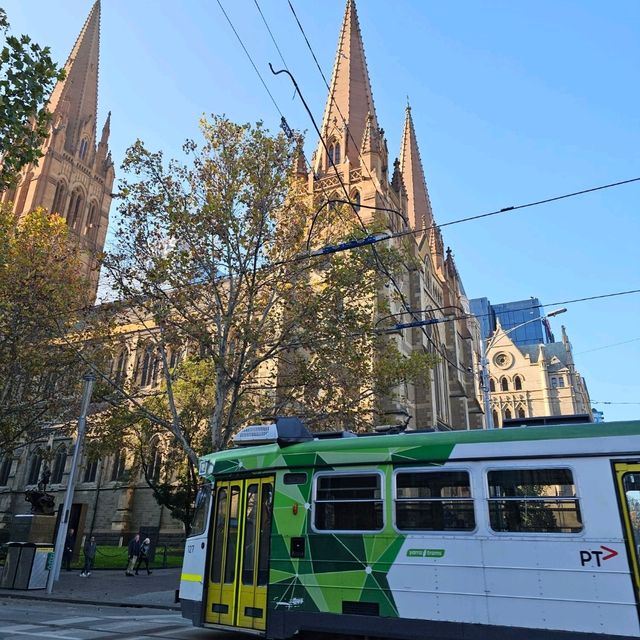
(486, 395)
(54, 572)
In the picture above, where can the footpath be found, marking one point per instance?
(110, 588)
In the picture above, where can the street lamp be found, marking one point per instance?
(484, 363)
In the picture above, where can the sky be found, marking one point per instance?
(513, 102)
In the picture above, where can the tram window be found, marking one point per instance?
(199, 522)
(232, 538)
(250, 521)
(265, 532)
(348, 502)
(434, 501)
(218, 535)
(533, 500)
(295, 478)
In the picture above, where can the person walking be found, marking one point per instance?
(69, 545)
(145, 548)
(134, 552)
(90, 548)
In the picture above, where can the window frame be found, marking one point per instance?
(351, 472)
(436, 532)
(533, 467)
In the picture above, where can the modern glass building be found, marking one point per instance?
(512, 314)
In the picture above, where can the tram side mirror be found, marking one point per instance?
(297, 548)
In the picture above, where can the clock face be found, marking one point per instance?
(503, 360)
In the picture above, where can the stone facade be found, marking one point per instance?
(109, 501)
(352, 163)
(74, 178)
(534, 380)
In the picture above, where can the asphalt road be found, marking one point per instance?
(28, 620)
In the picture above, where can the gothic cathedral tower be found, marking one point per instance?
(74, 178)
(352, 161)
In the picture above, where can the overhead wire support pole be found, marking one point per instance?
(63, 525)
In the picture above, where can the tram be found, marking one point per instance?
(525, 533)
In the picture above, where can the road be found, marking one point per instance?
(28, 620)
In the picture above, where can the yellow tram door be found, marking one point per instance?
(628, 485)
(254, 554)
(239, 562)
(221, 601)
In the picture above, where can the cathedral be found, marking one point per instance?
(75, 177)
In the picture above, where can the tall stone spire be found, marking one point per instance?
(419, 204)
(75, 99)
(350, 98)
(74, 177)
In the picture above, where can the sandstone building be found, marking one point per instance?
(74, 178)
(534, 380)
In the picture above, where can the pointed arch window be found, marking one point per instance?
(155, 463)
(59, 463)
(119, 367)
(496, 421)
(5, 469)
(90, 470)
(504, 384)
(92, 227)
(74, 214)
(84, 146)
(355, 199)
(521, 413)
(492, 384)
(336, 153)
(119, 466)
(34, 468)
(517, 384)
(58, 198)
(148, 366)
(333, 153)
(507, 414)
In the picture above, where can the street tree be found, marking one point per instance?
(42, 298)
(27, 77)
(211, 260)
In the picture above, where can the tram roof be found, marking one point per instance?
(613, 438)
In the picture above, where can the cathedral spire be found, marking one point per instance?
(350, 99)
(420, 213)
(75, 99)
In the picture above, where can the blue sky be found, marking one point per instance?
(512, 102)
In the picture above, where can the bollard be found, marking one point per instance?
(164, 556)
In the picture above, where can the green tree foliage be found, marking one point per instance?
(41, 296)
(27, 77)
(211, 259)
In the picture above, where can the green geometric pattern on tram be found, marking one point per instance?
(413, 454)
(340, 567)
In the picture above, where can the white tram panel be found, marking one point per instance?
(534, 580)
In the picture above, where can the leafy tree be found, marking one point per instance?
(41, 299)
(211, 258)
(27, 77)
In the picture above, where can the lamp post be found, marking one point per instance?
(54, 572)
(484, 363)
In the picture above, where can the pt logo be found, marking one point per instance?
(598, 556)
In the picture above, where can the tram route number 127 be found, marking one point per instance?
(597, 555)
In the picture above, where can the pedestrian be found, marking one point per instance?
(134, 552)
(90, 548)
(69, 545)
(144, 556)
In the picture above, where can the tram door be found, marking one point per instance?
(239, 562)
(628, 484)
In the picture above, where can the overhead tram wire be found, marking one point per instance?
(253, 64)
(411, 232)
(382, 267)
